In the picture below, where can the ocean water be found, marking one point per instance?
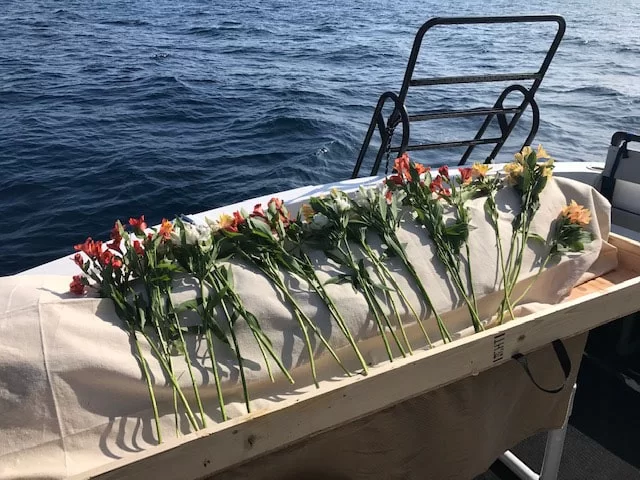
(115, 108)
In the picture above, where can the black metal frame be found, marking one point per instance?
(620, 140)
(400, 114)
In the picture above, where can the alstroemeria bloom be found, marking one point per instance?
(480, 170)
(90, 248)
(307, 212)
(465, 175)
(420, 168)
(576, 214)
(77, 286)
(514, 171)
(401, 166)
(444, 172)
(138, 224)
(116, 238)
(258, 211)
(78, 260)
(394, 179)
(522, 156)
(166, 227)
(224, 222)
(137, 247)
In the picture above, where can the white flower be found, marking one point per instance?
(194, 234)
(342, 204)
(319, 221)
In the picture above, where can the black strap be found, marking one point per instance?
(563, 358)
(609, 181)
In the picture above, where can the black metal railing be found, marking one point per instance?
(399, 115)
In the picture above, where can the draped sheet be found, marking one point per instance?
(72, 395)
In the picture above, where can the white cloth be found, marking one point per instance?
(71, 393)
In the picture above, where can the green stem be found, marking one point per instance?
(316, 284)
(174, 382)
(383, 272)
(544, 264)
(187, 360)
(147, 377)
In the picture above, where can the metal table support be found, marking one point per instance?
(552, 453)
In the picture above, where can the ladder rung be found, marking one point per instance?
(419, 82)
(461, 143)
(460, 113)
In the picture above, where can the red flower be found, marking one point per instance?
(395, 180)
(444, 171)
(106, 258)
(388, 196)
(465, 175)
(116, 263)
(77, 286)
(116, 238)
(258, 211)
(166, 227)
(436, 184)
(138, 224)
(137, 246)
(77, 258)
(90, 248)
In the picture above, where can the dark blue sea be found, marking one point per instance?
(116, 108)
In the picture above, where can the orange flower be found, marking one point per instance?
(77, 286)
(401, 165)
(576, 214)
(420, 168)
(307, 212)
(444, 172)
(465, 175)
(166, 227)
(258, 211)
(479, 170)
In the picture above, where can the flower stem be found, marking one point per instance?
(174, 382)
(147, 378)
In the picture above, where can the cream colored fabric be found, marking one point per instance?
(453, 433)
(71, 394)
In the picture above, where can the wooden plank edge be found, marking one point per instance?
(206, 452)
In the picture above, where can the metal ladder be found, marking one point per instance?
(400, 114)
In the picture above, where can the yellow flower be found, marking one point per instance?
(513, 171)
(576, 213)
(547, 167)
(522, 156)
(225, 221)
(542, 153)
(479, 170)
(307, 212)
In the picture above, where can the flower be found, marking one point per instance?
(576, 214)
(78, 260)
(547, 167)
(479, 170)
(166, 227)
(394, 180)
(238, 219)
(138, 224)
(541, 153)
(401, 165)
(77, 286)
(444, 171)
(521, 157)
(137, 247)
(307, 212)
(420, 168)
(465, 175)
(258, 211)
(90, 248)
(514, 171)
